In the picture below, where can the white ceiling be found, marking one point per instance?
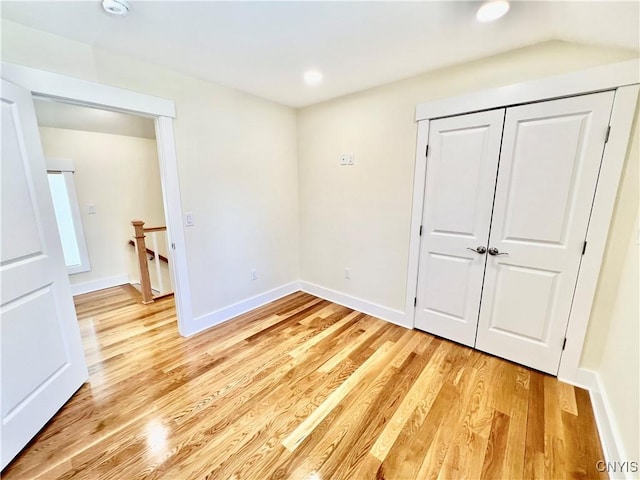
(75, 117)
(264, 47)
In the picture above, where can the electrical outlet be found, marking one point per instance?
(254, 274)
(347, 273)
(91, 208)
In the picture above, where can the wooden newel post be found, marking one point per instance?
(141, 248)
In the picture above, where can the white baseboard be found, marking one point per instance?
(99, 284)
(609, 436)
(227, 313)
(393, 316)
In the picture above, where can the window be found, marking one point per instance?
(65, 204)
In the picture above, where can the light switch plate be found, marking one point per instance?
(346, 159)
(188, 219)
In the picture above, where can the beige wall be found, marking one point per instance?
(236, 159)
(121, 177)
(243, 160)
(618, 368)
(359, 217)
(612, 344)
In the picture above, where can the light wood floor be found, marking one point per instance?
(302, 389)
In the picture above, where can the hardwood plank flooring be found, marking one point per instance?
(303, 389)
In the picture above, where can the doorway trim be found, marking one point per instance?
(83, 92)
(624, 79)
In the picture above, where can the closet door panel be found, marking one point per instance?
(549, 164)
(461, 174)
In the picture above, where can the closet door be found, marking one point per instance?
(461, 174)
(549, 164)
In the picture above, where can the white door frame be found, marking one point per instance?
(623, 77)
(163, 111)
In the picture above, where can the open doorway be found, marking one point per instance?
(40, 329)
(42, 84)
(104, 173)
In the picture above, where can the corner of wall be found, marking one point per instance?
(392, 316)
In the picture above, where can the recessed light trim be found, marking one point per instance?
(492, 10)
(116, 7)
(312, 77)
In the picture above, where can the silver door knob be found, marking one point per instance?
(480, 249)
(494, 251)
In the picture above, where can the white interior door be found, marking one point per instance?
(460, 183)
(42, 359)
(549, 167)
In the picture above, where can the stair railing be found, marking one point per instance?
(143, 260)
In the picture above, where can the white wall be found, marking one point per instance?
(120, 176)
(359, 217)
(236, 159)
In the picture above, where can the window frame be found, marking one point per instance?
(66, 168)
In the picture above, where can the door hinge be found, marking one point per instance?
(173, 245)
(420, 230)
(584, 247)
(426, 151)
(415, 301)
(606, 137)
(564, 343)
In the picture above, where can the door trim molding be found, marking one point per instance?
(613, 159)
(417, 210)
(606, 77)
(624, 78)
(83, 92)
(76, 90)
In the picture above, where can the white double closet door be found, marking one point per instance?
(508, 197)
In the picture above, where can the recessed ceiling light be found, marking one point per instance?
(312, 77)
(492, 10)
(116, 7)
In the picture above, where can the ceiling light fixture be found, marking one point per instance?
(492, 10)
(116, 7)
(312, 77)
